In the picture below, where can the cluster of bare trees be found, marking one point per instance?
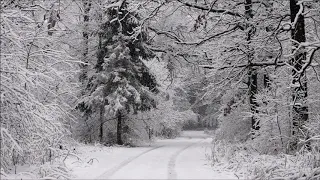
(37, 83)
(244, 43)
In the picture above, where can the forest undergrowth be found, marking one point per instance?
(247, 161)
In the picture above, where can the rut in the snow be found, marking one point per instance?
(113, 170)
(172, 174)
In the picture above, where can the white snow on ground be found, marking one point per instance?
(153, 164)
(192, 163)
(99, 159)
(180, 158)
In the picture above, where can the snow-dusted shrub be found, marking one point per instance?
(273, 136)
(272, 114)
(313, 127)
(264, 156)
(248, 163)
(35, 77)
(170, 121)
(234, 127)
(170, 132)
(190, 124)
(46, 171)
(163, 121)
(233, 122)
(56, 169)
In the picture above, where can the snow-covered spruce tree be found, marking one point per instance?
(121, 83)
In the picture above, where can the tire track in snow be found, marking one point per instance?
(172, 174)
(113, 170)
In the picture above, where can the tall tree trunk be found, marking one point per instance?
(252, 72)
(119, 128)
(85, 35)
(253, 89)
(102, 111)
(299, 93)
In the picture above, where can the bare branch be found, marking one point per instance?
(166, 33)
(211, 37)
(210, 9)
(257, 64)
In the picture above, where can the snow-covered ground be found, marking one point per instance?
(180, 158)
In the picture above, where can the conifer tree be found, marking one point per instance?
(121, 83)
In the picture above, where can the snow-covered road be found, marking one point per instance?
(180, 158)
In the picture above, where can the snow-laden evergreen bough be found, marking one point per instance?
(121, 83)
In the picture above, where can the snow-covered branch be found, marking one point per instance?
(211, 9)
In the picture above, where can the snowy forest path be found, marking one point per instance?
(180, 158)
(172, 174)
(113, 170)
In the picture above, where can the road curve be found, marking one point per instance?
(180, 158)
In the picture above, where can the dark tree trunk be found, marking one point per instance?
(102, 111)
(52, 20)
(266, 81)
(252, 72)
(253, 89)
(299, 93)
(119, 128)
(85, 35)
